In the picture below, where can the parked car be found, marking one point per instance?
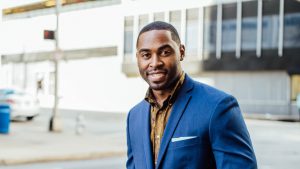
(22, 104)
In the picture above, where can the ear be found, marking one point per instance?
(182, 52)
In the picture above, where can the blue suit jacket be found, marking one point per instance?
(205, 130)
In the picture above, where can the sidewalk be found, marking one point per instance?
(276, 143)
(30, 142)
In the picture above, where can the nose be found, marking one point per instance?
(156, 61)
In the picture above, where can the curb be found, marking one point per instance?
(72, 157)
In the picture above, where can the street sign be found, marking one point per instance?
(49, 34)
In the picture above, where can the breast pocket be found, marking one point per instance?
(182, 142)
(191, 153)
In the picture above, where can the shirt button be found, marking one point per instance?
(157, 136)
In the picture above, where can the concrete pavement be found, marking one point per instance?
(30, 142)
(276, 143)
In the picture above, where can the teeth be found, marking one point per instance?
(156, 74)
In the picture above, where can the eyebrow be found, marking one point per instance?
(143, 50)
(164, 46)
(159, 49)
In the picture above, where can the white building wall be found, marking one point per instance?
(91, 28)
(98, 84)
(96, 27)
(26, 35)
(257, 91)
(89, 84)
(95, 84)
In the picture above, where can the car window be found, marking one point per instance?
(6, 92)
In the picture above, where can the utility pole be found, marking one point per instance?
(55, 121)
(1, 41)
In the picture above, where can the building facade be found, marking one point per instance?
(248, 48)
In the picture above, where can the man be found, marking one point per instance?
(181, 123)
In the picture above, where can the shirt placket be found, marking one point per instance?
(159, 126)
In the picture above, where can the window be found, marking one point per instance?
(292, 30)
(40, 84)
(175, 20)
(159, 16)
(192, 32)
(291, 24)
(249, 27)
(270, 25)
(210, 30)
(143, 20)
(229, 27)
(128, 37)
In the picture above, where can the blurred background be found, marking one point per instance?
(75, 60)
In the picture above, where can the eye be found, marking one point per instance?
(145, 55)
(166, 52)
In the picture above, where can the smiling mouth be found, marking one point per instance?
(157, 76)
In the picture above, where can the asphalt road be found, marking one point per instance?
(276, 143)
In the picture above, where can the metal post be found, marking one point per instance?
(238, 29)
(201, 34)
(24, 61)
(151, 17)
(167, 16)
(281, 28)
(183, 25)
(55, 121)
(219, 31)
(259, 28)
(135, 34)
(1, 43)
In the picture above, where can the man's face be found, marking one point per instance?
(158, 57)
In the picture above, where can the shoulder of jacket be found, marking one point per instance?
(138, 107)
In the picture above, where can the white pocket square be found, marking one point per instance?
(175, 139)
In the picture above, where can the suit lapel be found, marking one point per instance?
(177, 111)
(146, 135)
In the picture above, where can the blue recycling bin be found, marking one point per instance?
(4, 119)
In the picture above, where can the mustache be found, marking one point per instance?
(155, 71)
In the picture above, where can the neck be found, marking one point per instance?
(161, 95)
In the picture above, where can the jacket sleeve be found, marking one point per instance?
(229, 137)
(130, 161)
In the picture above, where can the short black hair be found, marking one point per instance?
(160, 25)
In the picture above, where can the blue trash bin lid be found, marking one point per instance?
(4, 106)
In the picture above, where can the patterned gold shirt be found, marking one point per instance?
(160, 115)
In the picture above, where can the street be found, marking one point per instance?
(105, 163)
(276, 143)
